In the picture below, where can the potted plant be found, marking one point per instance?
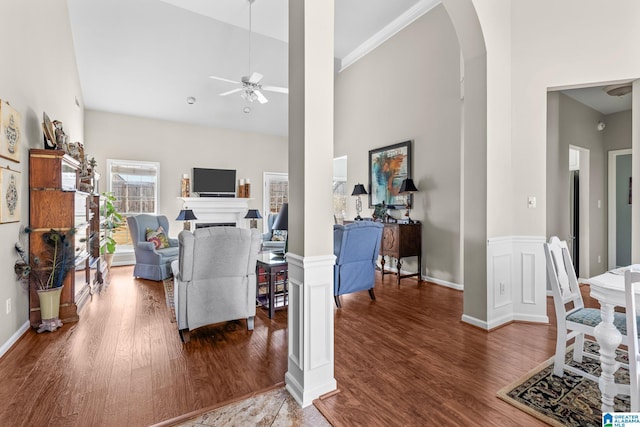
(112, 221)
(47, 272)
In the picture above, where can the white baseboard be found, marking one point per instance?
(475, 322)
(443, 283)
(14, 338)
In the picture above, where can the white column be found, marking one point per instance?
(311, 357)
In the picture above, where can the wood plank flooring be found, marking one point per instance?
(405, 359)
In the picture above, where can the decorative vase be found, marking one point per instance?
(109, 259)
(49, 309)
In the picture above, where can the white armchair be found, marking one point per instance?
(215, 277)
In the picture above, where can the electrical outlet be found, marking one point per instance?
(599, 259)
(8, 305)
(501, 288)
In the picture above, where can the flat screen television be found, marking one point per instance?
(214, 182)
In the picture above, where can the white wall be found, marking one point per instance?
(180, 147)
(38, 74)
(408, 89)
(558, 44)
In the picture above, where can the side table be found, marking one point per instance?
(272, 287)
(399, 241)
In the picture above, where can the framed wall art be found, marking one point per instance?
(388, 166)
(10, 195)
(10, 133)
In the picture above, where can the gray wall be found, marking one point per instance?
(408, 89)
(572, 123)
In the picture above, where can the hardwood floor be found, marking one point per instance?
(405, 359)
(123, 364)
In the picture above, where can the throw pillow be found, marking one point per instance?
(158, 238)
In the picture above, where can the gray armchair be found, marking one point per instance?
(215, 277)
(269, 245)
(151, 263)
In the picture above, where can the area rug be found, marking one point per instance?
(568, 401)
(168, 295)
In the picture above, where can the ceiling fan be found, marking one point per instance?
(251, 88)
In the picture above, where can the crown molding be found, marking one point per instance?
(391, 29)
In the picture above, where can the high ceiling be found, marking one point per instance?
(146, 57)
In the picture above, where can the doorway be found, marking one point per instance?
(579, 161)
(619, 201)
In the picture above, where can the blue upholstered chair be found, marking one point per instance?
(356, 247)
(151, 263)
(269, 245)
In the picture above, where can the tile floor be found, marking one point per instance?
(273, 408)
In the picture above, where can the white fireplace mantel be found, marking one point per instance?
(218, 210)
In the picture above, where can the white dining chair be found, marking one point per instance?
(631, 280)
(573, 319)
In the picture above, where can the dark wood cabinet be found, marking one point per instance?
(401, 241)
(56, 203)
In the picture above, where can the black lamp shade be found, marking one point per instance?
(359, 190)
(282, 220)
(253, 214)
(408, 186)
(186, 215)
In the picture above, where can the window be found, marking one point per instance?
(134, 184)
(276, 192)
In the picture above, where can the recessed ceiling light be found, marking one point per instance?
(191, 100)
(247, 110)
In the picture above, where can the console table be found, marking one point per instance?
(400, 241)
(272, 282)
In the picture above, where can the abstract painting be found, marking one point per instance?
(10, 195)
(388, 166)
(10, 133)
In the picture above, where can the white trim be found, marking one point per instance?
(14, 338)
(611, 202)
(531, 318)
(390, 30)
(475, 322)
(310, 350)
(444, 283)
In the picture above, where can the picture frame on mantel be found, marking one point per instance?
(388, 166)
(10, 132)
(10, 192)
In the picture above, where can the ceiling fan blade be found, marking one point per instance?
(276, 89)
(255, 77)
(231, 91)
(261, 98)
(224, 80)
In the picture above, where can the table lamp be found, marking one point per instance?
(282, 223)
(358, 190)
(253, 215)
(409, 187)
(186, 215)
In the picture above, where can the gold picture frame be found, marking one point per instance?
(10, 195)
(10, 132)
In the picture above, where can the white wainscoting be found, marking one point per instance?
(516, 280)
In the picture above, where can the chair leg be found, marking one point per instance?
(578, 348)
(184, 335)
(337, 299)
(372, 295)
(561, 348)
(250, 322)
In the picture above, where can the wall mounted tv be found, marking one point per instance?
(214, 182)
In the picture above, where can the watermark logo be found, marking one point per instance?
(621, 419)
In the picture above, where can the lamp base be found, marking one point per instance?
(253, 223)
(187, 225)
